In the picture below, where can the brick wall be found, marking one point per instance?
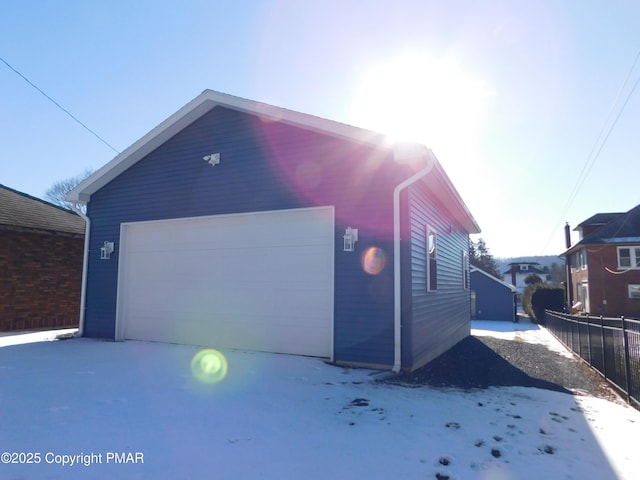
(605, 285)
(40, 279)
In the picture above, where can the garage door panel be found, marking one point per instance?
(263, 263)
(301, 227)
(233, 330)
(194, 281)
(221, 273)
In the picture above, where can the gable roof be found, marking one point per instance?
(195, 109)
(621, 228)
(491, 277)
(21, 211)
(210, 99)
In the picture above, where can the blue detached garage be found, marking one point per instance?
(236, 224)
(494, 299)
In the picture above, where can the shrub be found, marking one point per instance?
(538, 297)
(526, 299)
(532, 278)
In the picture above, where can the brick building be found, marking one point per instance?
(605, 264)
(41, 251)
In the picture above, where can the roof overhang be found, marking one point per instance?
(209, 99)
(452, 200)
(195, 109)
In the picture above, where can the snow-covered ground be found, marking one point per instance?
(524, 331)
(157, 408)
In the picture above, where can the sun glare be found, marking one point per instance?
(423, 99)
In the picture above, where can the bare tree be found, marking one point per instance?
(57, 194)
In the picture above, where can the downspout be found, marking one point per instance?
(85, 263)
(397, 292)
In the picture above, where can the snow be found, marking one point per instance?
(280, 416)
(523, 331)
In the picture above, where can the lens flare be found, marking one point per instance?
(373, 260)
(209, 366)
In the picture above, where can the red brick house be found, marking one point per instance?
(41, 253)
(605, 264)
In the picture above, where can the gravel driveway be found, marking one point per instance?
(484, 361)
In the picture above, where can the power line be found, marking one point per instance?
(591, 158)
(59, 106)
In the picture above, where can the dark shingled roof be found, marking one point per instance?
(599, 219)
(21, 211)
(531, 269)
(621, 228)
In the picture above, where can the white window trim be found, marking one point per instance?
(581, 253)
(632, 290)
(465, 271)
(633, 258)
(428, 230)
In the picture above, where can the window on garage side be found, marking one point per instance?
(465, 270)
(432, 259)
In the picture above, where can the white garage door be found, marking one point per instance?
(258, 281)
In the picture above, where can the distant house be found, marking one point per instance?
(518, 271)
(237, 224)
(605, 264)
(492, 298)
(41, 251)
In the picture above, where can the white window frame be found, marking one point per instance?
(634, 291)
(634, 257)
(581, 259)
(428, 232)
(465, 271)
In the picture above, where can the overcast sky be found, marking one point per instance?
(515, 98)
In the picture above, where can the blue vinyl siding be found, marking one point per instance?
(433, 321)
(263, 166)
(494, 301)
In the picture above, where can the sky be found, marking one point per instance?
(259, 415)
(529, 106)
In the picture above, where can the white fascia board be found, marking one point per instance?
(416, 155)
(152, 140)
(453, 201)
(298, 119)
(195, 109)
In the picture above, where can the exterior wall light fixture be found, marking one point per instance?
(106, 250)
(213, 159)
(350, 238)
